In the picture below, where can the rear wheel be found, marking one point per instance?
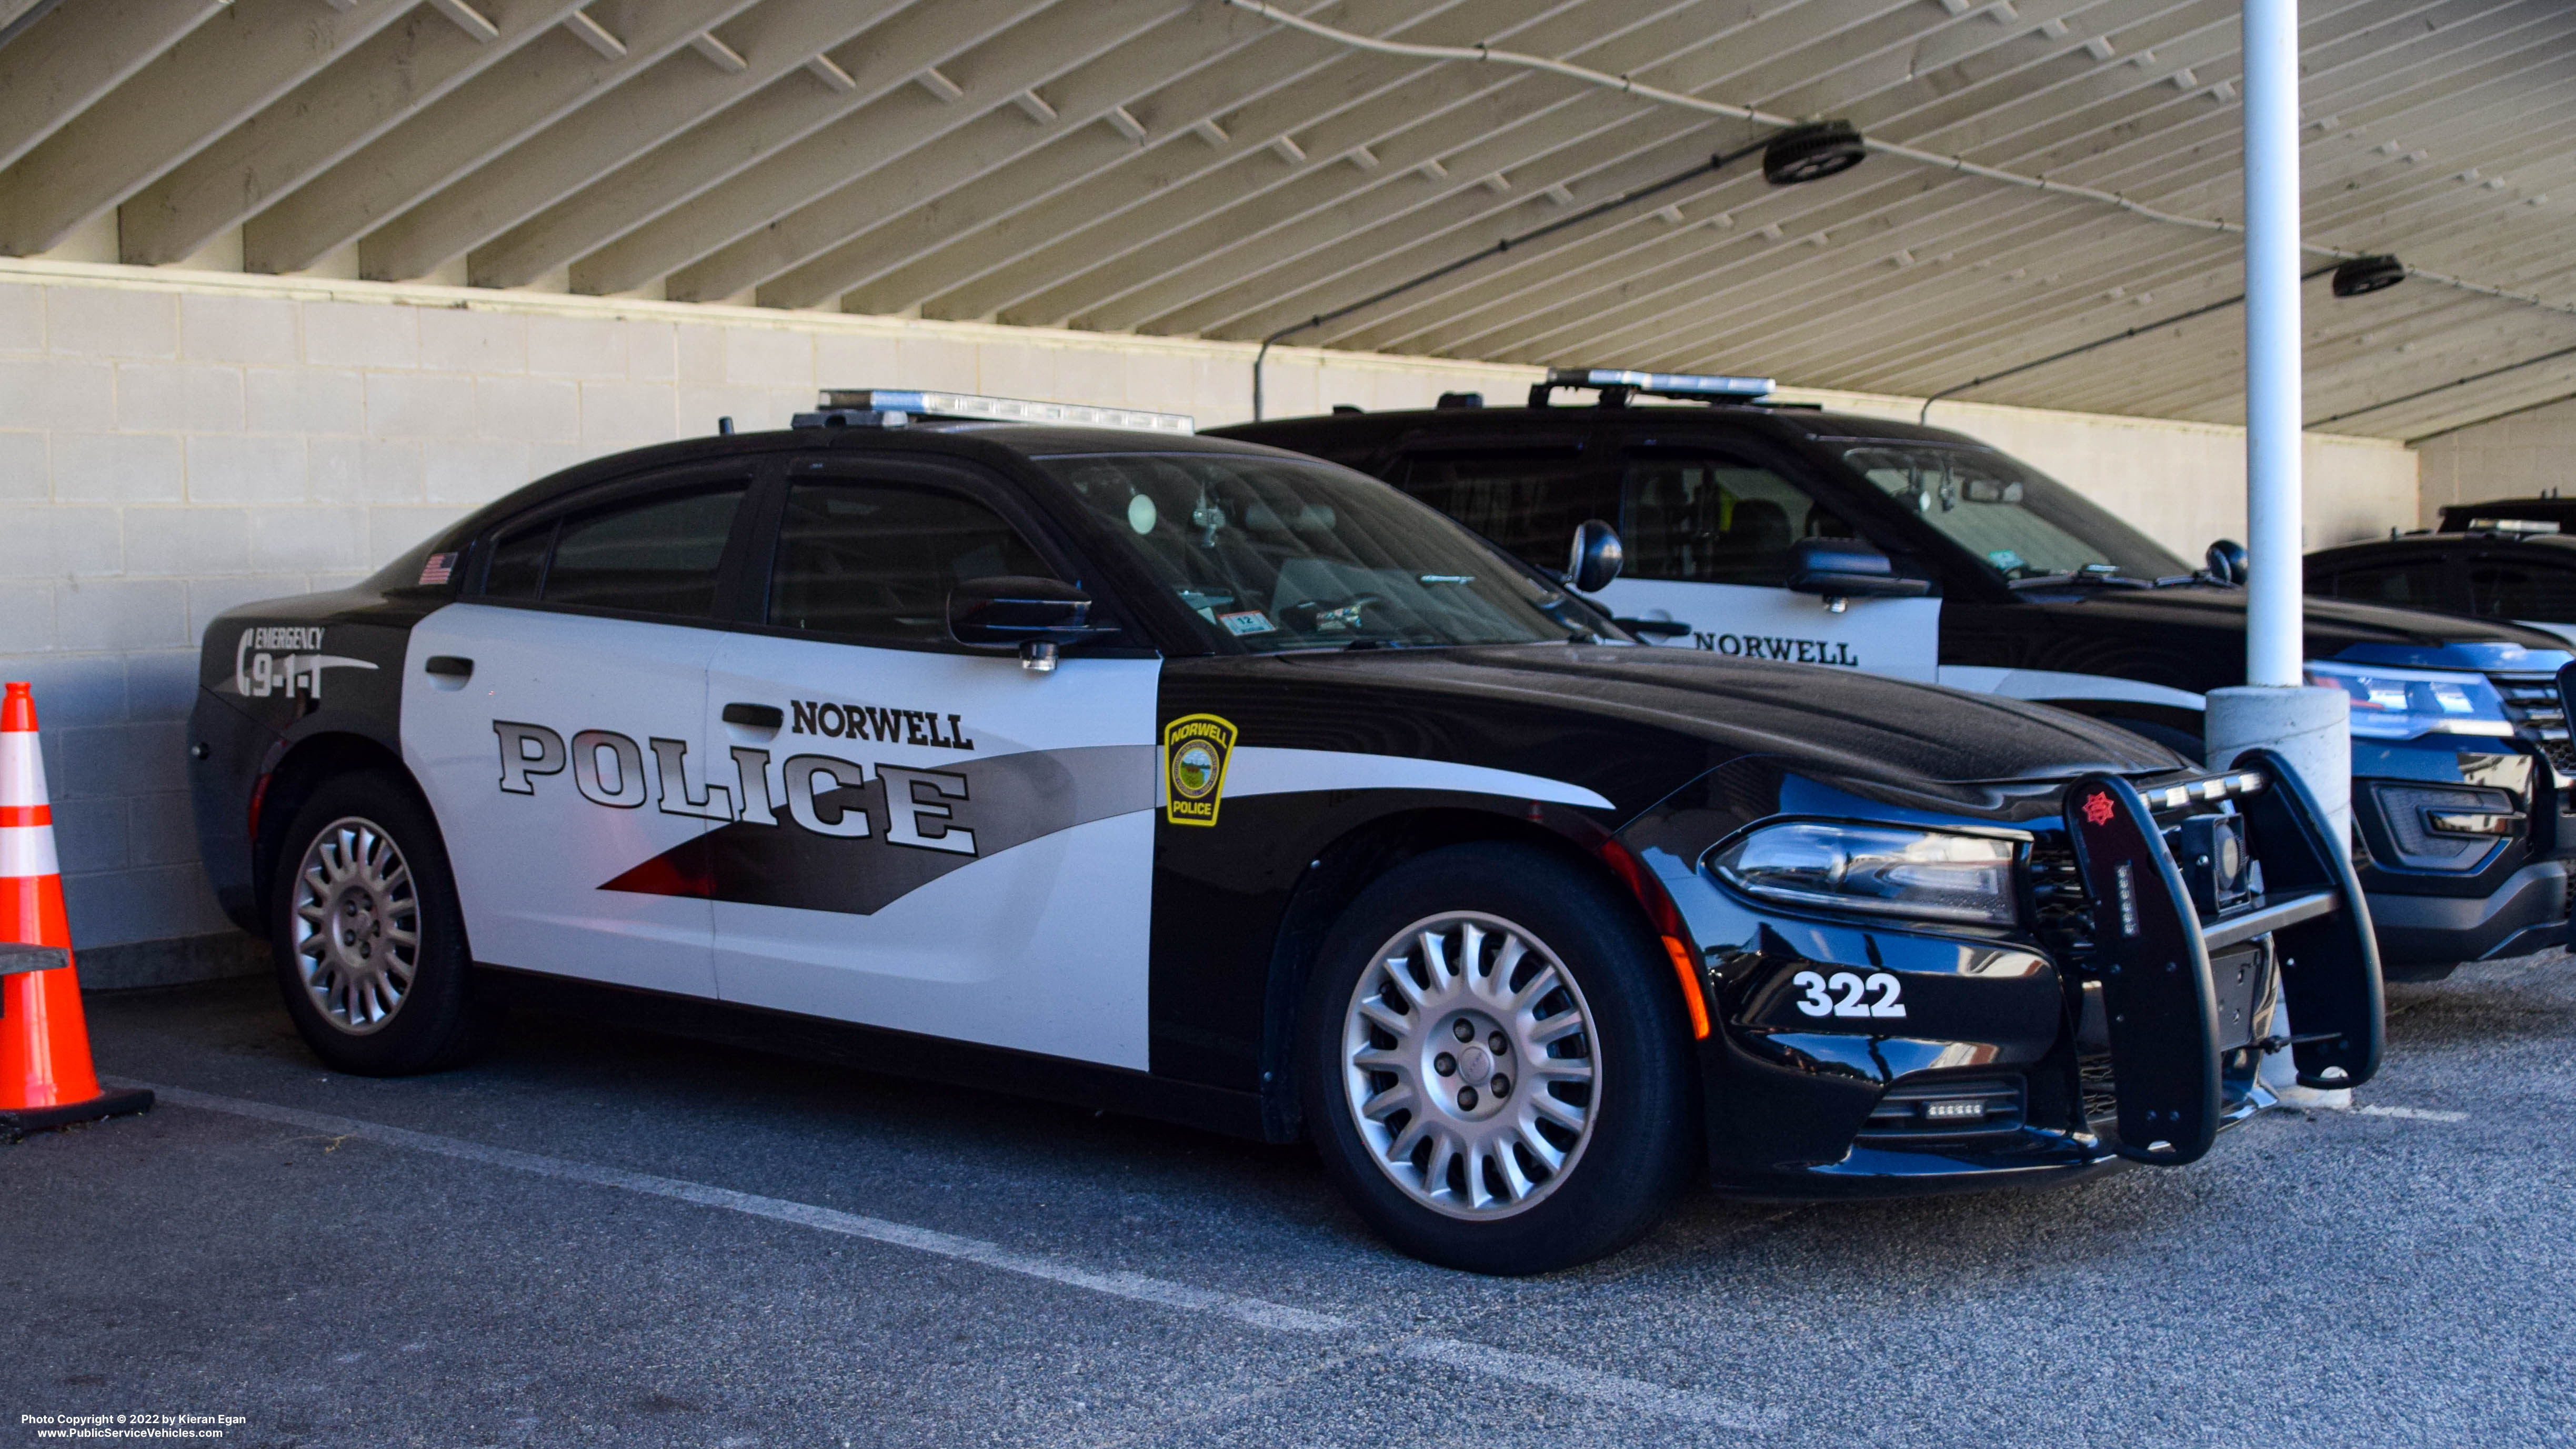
(369, 943)
(1496, 1070)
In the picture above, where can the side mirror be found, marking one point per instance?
(1039, 616)
(1846, 568)
(2226, 560)
(1596, 557)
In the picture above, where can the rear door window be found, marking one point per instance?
(1709, 518)
(2415, 583)
(659, 553)
(2514, 589)
(1527, 499)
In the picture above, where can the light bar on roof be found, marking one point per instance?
(1005, 409)
(1670, 384)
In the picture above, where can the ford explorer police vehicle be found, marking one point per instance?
(1775, 532)
(1063, 751)
(2521, 570)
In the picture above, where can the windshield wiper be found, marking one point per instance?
(2104, 575)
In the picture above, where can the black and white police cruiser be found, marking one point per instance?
(1777, 532)
(1063, 750)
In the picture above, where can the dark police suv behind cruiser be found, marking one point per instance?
(1214, 783)
(1830, 538)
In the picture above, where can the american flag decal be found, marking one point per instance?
(438, 568)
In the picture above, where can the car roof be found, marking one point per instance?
(2484, 540)
(932, 436)
(1810, 423)
(2515, 508)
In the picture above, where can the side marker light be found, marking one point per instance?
(1685, 967)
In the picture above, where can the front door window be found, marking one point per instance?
(1715, 520)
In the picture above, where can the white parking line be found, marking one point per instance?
(2411, 1114)
(1530, 1370)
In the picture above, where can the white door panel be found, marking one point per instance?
(2563, 631)
(545, 775)
(1042, 950)
(1900, 637)
(960, 847)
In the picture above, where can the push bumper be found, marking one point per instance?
(2136, 1042)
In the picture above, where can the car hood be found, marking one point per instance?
(1637, 723)
(2216, 617)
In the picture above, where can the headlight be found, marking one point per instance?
(2399, 704)
(1926, 874)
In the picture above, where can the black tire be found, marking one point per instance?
(433, 1023)
(1643, 1126)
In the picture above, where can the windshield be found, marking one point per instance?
(1275, 554)
(2024, 524)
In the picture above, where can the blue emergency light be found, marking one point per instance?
(971, 406)
(1661, 384)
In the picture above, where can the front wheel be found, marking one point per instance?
(1497, 1070)
(369, 942)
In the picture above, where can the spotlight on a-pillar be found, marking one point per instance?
(1812, 153)
(2368, 274)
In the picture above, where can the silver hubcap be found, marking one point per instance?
(357, 925)
(1468, 1060)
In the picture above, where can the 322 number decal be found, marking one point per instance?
(1846, 993)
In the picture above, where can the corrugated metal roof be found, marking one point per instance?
(1190, 167)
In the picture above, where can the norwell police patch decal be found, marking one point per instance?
(1195, 747)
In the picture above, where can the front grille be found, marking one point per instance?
(2531, 702)
(2101, 1094)
(2064, 910)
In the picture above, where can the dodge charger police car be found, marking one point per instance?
(1086, 757)
(1856, 542)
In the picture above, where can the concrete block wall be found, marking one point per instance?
(174, 443)
(2522, 456)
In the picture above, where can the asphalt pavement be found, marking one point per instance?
(597, 1236)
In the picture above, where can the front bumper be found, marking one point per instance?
(2453, 903)
(2065, 1051)
(2422, 937)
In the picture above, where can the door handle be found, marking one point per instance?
(757, 716)
(449, 666)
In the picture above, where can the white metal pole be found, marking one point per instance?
(2310, 729)
(2274, 621)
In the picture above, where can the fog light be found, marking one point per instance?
(2472, 822)
(1969, 1111)
(2447, 828)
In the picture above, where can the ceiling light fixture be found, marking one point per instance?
(2363, 275)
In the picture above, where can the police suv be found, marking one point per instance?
(1778, 532)
(1065, 751)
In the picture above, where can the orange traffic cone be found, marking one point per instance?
(45, 1076)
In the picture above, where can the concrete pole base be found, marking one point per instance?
(2312, 729)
